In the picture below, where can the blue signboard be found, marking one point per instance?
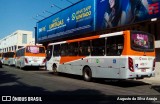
(77, 19)
(96, 15)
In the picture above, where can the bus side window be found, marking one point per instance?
(98, 47)
(73, 49)
(56, 50)
(114, 45)
(64, 49)
(84, 48)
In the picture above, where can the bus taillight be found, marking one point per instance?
(44, 61)
(130, 64)
(26, 61)
(154, 64)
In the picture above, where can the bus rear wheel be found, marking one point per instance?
(87, 74)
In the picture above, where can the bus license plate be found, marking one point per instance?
(143, 70)
(35, 60)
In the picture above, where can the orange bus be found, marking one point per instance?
(30, 55)
(119, 55)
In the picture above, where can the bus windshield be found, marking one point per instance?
(35, 49)
(142, 41)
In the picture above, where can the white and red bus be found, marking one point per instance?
(30, 55)
(9, 58)
(120, 55)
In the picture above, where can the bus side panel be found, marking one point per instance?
(72, 64)
(100, 67)
(105, 67)
(78, 65)
(72, 67)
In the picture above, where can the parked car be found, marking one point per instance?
(0, 64)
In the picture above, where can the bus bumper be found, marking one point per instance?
(141, 76)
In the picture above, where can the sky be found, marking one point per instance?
(24, 14)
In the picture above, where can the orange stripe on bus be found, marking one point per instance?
(65, 59)
(136, 53)
(35, 55)
(83, 39)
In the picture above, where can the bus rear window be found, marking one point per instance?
(142, 42)
(34, 49)
(11, 54)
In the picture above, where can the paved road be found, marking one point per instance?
(16, 82)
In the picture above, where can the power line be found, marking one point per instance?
(40, 15)
(47, 12)
(53, 5)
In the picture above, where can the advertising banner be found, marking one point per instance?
(77, 19)
(113, 13)
(96, 15)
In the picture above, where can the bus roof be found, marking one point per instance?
(89, 38)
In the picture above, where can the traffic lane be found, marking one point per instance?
(10, 86)
(123, 87)
(52, 83)
(128, 85)
(13, 85)
(42, 83)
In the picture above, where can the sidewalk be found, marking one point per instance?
(153, 80)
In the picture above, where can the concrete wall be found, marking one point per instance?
(157, 44)
(15, 39)
(157, 70)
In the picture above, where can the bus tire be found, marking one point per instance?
(87, 74)
(54, 68)
(16, 65)
(20, 66)
(9, 63)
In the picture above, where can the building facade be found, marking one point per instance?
(16, 40)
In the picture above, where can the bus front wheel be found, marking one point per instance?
(87, 74)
